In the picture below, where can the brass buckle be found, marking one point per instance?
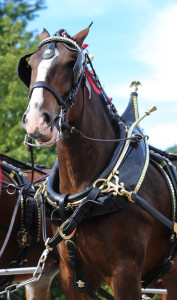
(64, 236)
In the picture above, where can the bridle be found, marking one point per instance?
(79, 70)
(24, 72)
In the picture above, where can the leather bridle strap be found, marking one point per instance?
(43, 84)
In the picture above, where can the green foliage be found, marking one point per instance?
(15, 41)
(106, 288)
(156, 297)
(55, 290)
(172, 149)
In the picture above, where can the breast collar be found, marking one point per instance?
(132, 165)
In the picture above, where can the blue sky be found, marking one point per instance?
(130, 40)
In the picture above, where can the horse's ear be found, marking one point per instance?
(44, 35)
(80, 37)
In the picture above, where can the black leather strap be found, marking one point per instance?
(76, 217)
(43, 84)
(152, 211)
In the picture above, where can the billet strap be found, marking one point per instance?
(152, 211)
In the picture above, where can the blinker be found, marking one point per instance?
(24, 70)
(49, 51)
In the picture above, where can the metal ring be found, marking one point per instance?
(13, 186)
(64, 236)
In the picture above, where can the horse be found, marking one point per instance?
(16, 254)
(103, 217)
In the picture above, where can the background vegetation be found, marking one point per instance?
(15, 41)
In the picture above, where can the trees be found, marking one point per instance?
(15, 41)
(172, 149)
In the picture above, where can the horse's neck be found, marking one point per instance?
(81, 160)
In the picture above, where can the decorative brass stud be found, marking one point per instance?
(80, 283)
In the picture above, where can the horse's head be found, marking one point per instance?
(53, 75)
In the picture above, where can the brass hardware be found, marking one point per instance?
(162, 164)
(117, 115)
(48, 51)
(175, 227)
(72, 129)
(135, 105)
(91, 57)
(13, 187)
(135, 84)
(60, 229)
(80, 283)
(47, 246)
(51, 202)
(70, 241)
(22, 238)
(153, 108)
(116, 188)
(12, 174)
(138, 139)
(172, 192)
(75, 203)
(144, 168)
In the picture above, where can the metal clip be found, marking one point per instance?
(44, 255)
(61, 115)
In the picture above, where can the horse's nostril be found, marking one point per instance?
(24, 119)
(47, 118)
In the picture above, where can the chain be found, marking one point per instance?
(36, 275)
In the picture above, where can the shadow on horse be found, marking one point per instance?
(23, 249)
(106, 189)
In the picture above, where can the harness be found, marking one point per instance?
(28, 233)
(117, 183)
(108, 195)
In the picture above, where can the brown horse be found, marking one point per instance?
(120, 248)
(37, 290)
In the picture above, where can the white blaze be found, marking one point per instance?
(44, 66)
(34, 119)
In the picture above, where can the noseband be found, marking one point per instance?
(78, 70)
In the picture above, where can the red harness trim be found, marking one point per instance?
(72, 233)
(92, 83)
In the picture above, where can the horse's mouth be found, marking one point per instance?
(45, 139)
(49, 139)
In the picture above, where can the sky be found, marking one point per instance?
(131, 41)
